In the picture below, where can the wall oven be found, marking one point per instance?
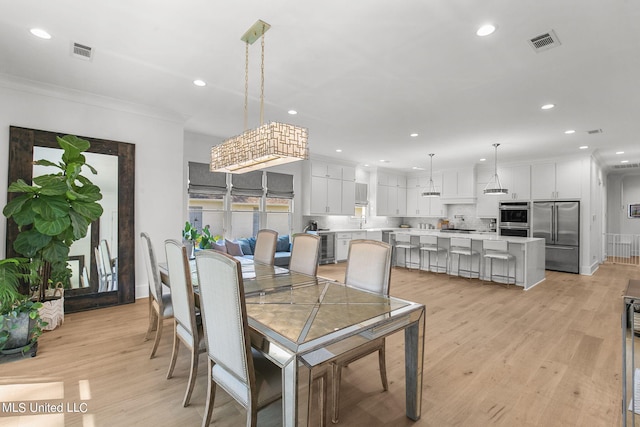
(327, 247)
(514, 219)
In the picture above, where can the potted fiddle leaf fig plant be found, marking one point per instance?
(53, 212)
(20, 321)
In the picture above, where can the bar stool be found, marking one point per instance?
(429, 245)
(461, 246)
(404, 242)
(499, 250)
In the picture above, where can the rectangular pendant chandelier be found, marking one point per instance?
(269, 145)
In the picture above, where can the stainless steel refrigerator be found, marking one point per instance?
(559, 224)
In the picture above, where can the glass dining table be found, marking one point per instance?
(303, 322)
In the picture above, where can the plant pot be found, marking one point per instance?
(19, 335)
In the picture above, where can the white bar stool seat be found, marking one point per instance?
(499, 250)
(461, 246)
(429, 245)
(404, 243)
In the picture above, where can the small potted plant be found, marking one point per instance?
(20, 322)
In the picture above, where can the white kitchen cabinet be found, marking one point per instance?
(374, 235)
(459, 186)
(419, 206)
(560, 180)
(517, 179)
(343, 240)
(391, 195)
(332, 189)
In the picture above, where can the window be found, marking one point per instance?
(207, 192)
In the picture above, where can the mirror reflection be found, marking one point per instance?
(93, 260)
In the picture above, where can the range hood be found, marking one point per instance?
(362, 194)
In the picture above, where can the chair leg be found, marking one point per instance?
(193, 373)
(158, 334)
(152, 319)
(383, 366)
(211, 395)
(174, 352)
(335, 386)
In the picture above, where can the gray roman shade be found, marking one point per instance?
(279, 185)
(202, 181)
(247, 184)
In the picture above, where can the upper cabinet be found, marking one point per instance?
(330, 189)
(560, 180)
(391, 192)
(419, 206)
(516, 179)
(459, 186)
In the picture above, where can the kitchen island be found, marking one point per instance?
(528, 252)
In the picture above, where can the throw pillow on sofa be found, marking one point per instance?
(247, 245)
(282, 245)
(219, 246)
(234, 248)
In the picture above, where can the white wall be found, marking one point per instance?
(158, 138)
(623, 190)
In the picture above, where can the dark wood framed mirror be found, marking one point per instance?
(21, 156)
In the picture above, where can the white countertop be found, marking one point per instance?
(473, 236)
(352, 230)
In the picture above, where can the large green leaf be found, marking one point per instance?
(89, 193)
(43, 162)
(90, 210)
(51, 207)
(15, 205)
(25, 215)
(21, 187)
(55, 251)
(72, 145)
(79, 224)
(52, 227)
(91, 168)
(51, 185)
(29, 242)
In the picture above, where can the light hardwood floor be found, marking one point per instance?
(550, 356)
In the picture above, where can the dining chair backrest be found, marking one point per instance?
(265, 250)
(182, 297)
(305, 253)
(369, 265)
(224, 317)
(151, 265)
(105, 254)
(84, 279)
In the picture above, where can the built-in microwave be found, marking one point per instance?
(514, 214)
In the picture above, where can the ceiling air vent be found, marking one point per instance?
(594, 131)
(545, 41)
(627, 166)
(81, 51)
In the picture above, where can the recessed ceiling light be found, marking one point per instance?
(624, 161)
(547, 106)
(485, 30)
(570, 131)
(38, 32)
(199, 83)
(292, 112)
(619, 152)
(384, 161)
(338, 151)
(417, 168)
(483, 160)
(413, 135)
(583, 147)
(366, 165)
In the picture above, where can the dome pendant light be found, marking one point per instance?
(431, 190)
(494, 186)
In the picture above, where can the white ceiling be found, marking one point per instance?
(362, 75)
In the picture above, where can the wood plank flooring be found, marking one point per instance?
(550, 356)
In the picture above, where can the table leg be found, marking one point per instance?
(414, 360)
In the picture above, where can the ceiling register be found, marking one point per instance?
(268, 145)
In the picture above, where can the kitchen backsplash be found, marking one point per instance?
(459, 216)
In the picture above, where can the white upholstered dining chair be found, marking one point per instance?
(160, 307)
(245, 374)
(305, 253)
(368, 268)
(265, 250)
(186, 328)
